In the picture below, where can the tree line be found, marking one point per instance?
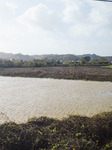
(53, 62)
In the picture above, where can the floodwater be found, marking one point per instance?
(23, 98)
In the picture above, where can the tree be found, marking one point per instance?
(85, 59)
(102, 60)
(93, 61)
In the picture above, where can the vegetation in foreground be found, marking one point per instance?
(73, 133)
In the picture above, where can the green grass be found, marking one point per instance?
(73, 133)
(110, 66)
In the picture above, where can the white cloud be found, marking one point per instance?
(72, 13)
(101, 17)
(40, 16)
(88, 17)
(101, 14)
(75, 18)
(7, 7)
(82, 30)
(55, 26)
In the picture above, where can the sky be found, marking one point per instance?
(56, 27)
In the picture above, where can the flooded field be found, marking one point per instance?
(23, 98)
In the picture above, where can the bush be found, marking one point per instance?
(73, 133)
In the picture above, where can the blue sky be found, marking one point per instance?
(56, 26)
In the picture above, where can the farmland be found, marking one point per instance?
(94, 73)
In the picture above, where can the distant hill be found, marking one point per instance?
(69, 56)
(92, 56)
(19, 56)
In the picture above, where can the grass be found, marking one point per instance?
(110, 66)
(73, 133)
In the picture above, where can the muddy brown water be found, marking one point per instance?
(23, 98)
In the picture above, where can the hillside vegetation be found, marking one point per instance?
(19, 60)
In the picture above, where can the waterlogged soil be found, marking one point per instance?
(94, 73)
(23, 98)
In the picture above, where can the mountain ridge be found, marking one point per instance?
(19, 56)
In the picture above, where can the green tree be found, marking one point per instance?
(102, 60)
(87, 59)
(93, 61)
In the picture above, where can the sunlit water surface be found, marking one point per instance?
(23, 98)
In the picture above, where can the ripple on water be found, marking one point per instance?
(23, 98)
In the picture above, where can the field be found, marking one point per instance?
(81, 72)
